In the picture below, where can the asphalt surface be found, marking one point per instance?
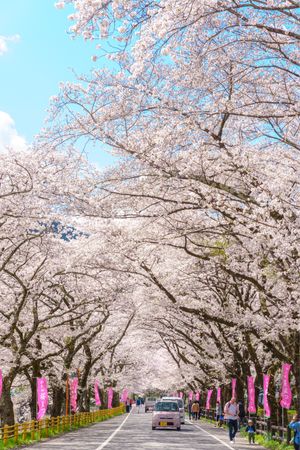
(134, 432)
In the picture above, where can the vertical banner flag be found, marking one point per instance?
(251, 395)
(181, 394)
(233, 385)
(42, 397)
(191, 395)
(110, 394)
(286, 393)
(124, 395)
(97, 395)
(197, 396)
(209, 393)
(219, 395)
(74, 386)
(266, 381)
(1, 383)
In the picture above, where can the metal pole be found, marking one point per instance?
(282, 424)
(36, 397)
(67, 395)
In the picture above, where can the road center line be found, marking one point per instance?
(104, 444)
(217, 439)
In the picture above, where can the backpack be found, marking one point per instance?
(227, 406)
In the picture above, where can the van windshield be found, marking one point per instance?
(178, 400)
(166, 406)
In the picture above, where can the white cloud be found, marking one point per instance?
(9, 137)
(4, 40)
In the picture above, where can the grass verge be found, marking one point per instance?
(263, 440)
(27, 440)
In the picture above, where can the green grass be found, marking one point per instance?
(52, 433)
(266, 441)
(263, 440)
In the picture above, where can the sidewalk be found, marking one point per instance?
(241, 443)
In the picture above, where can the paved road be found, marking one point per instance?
(133, 432)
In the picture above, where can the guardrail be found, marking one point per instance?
(38, 429)
(276, 432)
(263, 426)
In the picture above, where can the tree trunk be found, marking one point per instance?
(84, 392)
(33, 400)
(58, 397)
(296, 371)
(84, 399)
(116, 400)
(6, 404)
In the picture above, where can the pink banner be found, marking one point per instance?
(286, 393)
(191, 395)
(181, 394)
(219, 395)
(197, 396)
(97, 395)
(266, 381)
(1, 383)
(233, 385)
(74, 386)
(251, 395)
(42, 397)
(209, 393)
(124, 395)
(110, 394)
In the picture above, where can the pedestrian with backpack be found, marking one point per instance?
(295, 425)
(231, 414)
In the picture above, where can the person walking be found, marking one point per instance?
(218, 415)
(190, 409)
(231, 413)
(250, 429)
(295, 425)
(195, 410)
(242, 414)
(138, 404)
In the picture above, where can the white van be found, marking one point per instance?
(180, 404)
(150, 403)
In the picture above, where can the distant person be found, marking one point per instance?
(250, 429)
(190, 409)
(242, 414)
(128, 405)
(295, 425)
(195, 410)
(231, 414)
(199, 412)
(138, 403)
(219, 416)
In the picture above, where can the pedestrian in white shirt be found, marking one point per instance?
(231, 413)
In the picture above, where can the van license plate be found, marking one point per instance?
(163, 424)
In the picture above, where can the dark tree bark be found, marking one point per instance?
(58, 400)
(6, 404)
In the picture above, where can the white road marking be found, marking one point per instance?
(217, 439)
(104, 444)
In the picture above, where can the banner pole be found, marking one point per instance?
(67, 395)
(36, 397)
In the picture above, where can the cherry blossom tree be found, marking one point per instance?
(202, 110)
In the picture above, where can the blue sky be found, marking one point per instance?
(32, 65)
